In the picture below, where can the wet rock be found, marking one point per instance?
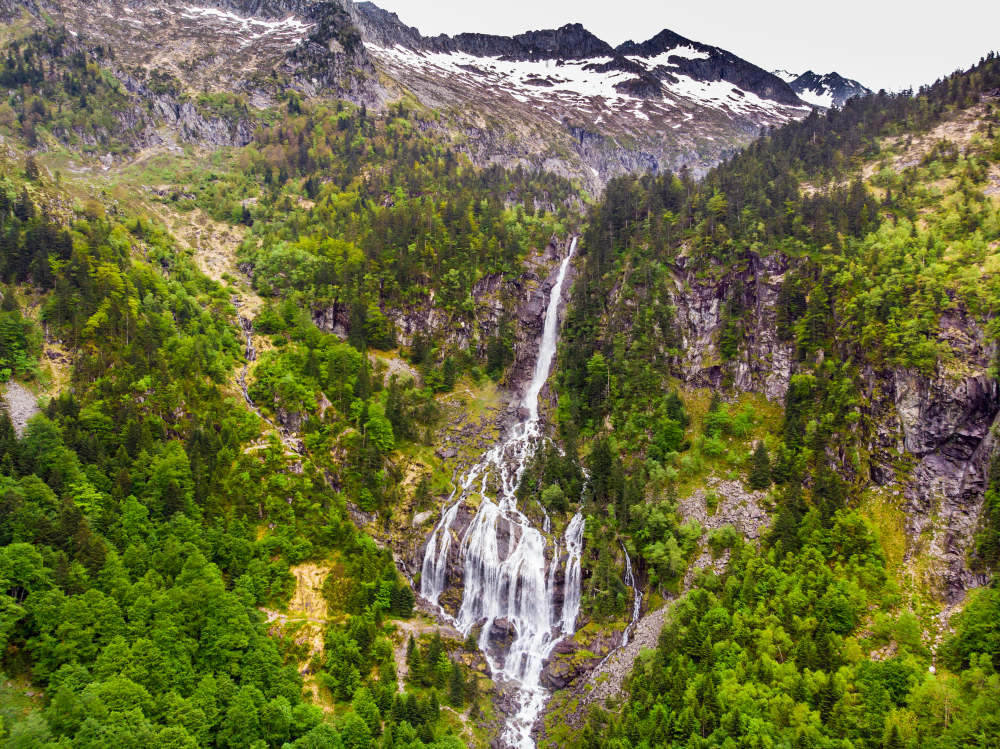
(502, 634)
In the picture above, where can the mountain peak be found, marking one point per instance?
(829, 90)
(671, 53)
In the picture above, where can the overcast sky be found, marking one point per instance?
(889, 45)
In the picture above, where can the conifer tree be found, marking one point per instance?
(414, 663)
(827, 699)
(760, 468)
(893, 740)
(801, 740)
(456, 687)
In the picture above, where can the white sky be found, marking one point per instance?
(880, 43)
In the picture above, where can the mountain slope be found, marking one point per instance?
(565, 100)
(559, 99)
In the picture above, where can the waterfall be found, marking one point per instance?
(518, 585)
(571, 599)
(636, 596)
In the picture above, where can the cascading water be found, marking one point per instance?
(520, 586)
(636, 596)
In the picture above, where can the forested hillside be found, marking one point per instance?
(153, 513)
(244, 384)
(827, 632)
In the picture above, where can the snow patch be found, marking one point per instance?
(686, 52)
(576, 84)
(785, 75)
(811, 96)
(250, 29)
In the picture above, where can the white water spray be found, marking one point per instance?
(506, 575)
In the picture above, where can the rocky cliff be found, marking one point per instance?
(927, 436)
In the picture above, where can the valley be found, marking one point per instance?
(366, 389)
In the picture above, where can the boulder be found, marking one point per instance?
(502, 634)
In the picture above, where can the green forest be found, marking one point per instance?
(158, 510)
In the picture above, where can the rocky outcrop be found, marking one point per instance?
(20, 405)
(530, 116)
(929, 434)
(570, 659)
(523, 299)
(945, 424)
(292, 421)
(608, 679)
(333, 59)
(332, 318)
(764, 363)
(831, 89)
(734, 505)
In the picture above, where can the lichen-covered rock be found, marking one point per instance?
(574, 657)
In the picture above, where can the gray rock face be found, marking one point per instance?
(945, 424)
(292, 421)
(20, 405)
(713, 64)
(831, 86)
(582, 137)
(764, 363)
(942, 421)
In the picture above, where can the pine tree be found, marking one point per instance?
(388, 742)
(801, 740)
(450, 373)
(403, 601)
(31, 168)
(824, 648)
(456, 687)
(424, 734)
(471, 644)
(442, 671)
(414, 662)
(472, 689)
(760, 468)
(893, 740)
(828, 699)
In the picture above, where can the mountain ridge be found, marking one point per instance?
(557, 99)
(829, 90)
(562, 99)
